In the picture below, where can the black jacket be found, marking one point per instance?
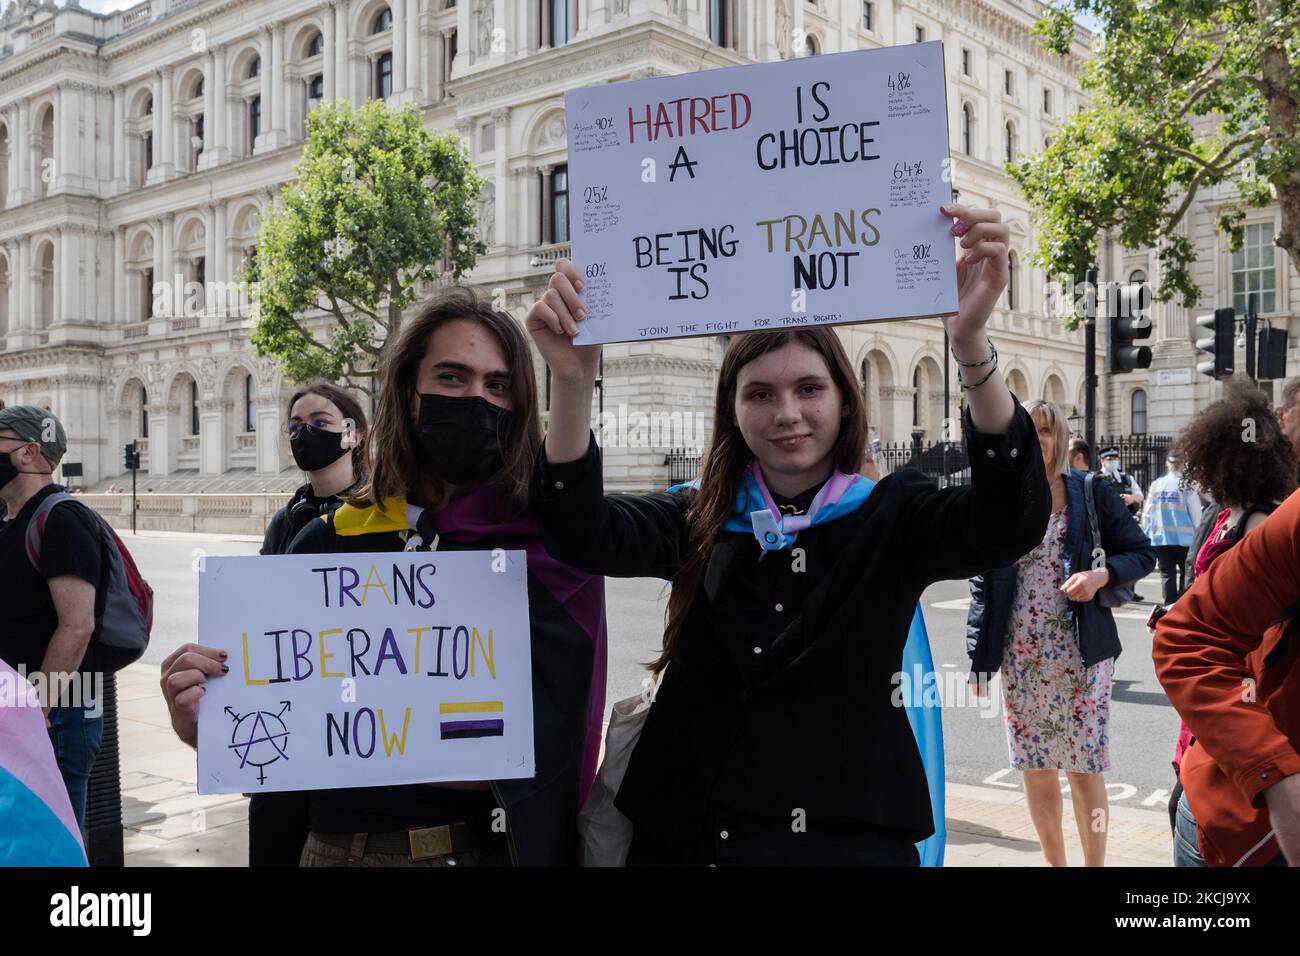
(289, 520)
(542, 811)
(779, 695)
(1129, 556)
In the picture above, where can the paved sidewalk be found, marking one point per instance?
(168, 824)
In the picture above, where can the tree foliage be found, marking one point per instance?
(1184, 96)
(380, 206)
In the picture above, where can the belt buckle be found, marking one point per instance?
(429, 842)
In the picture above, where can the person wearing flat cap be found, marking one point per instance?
(50, 611)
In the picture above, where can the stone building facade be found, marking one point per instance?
(142, 146)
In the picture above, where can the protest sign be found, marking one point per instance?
(359, 670)
(763, 197)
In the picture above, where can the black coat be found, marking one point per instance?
(779, 696)
(1129, 556)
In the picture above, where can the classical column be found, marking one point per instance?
(218, 122)
(167, 124)
(278, 85)
(119, 138)
(67, 149)
(267, 121)
(547, 232)
(446, 58)
(23, 315)
(269, 411)
(328, 74)
(120, 277)
(90, 246)
(166, 274)
(412, 29)
(217, 267)
(398, 8)
(209, 256)
(501, 133)
(212, 436)
(15, 310)
(343, 86)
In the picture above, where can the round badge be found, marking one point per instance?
(770, 537)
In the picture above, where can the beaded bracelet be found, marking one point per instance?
(965, 387)
(992, 358)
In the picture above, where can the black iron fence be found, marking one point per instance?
(945, 463)
(683, 465)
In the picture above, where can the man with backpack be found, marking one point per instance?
(50, 614)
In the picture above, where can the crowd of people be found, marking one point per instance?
(760, 653)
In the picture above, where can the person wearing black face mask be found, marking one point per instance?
(326, 428)
(451, 451)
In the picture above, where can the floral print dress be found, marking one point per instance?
(1057, 712)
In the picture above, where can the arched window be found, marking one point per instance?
(809, 45)
(250, 417)
(198, 89)
(383, 22)
(967, 130)
(314, 45)
(1138, 419)
(1013, 278)
(194, 407)
(254, 67)
(383, 85)
(1137, 276)
(254, 121)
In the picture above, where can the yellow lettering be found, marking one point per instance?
(394, 740)
(489, 655)
(419, 633)
(248, 681)
(378, 582)
(323, 656)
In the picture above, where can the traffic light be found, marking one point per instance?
(131, 458)
(1271, 357)
(1129, 319)
(1223, 324)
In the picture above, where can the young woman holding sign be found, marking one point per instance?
(775, 736)
(452, 449)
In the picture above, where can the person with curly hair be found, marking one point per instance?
(1236, 452)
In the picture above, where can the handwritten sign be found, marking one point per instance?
(763, 197)
(354, 670)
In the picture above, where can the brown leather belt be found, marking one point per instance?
(418, 844)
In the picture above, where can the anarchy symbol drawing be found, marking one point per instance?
(259, 738)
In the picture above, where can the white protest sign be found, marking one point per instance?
(763, 197)
(357, 670)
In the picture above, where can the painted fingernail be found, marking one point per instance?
(225, 668)
(961, 229)
(222, 654)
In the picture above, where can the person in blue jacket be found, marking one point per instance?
(1039, 623)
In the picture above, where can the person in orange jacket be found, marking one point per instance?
(1226, 654)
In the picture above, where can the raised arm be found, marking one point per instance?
(617, 535)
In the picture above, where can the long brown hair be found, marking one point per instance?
(728, 455)
(345, 402)
(395, 468)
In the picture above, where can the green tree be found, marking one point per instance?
(380, 206)
(1184, 95)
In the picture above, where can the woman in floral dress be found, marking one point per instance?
(1038, 623)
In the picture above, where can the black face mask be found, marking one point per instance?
(460, 437)
(7, 470)
(315, 448)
